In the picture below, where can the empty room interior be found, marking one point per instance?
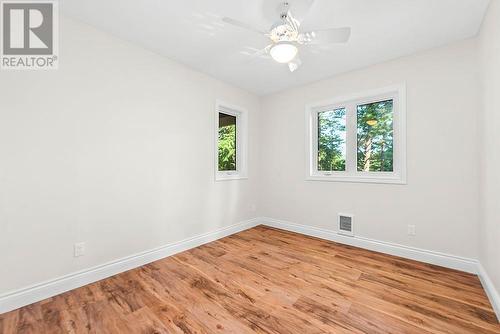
(264, 166)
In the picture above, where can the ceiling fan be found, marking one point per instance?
(286, 37)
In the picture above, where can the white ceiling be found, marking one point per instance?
(191, 32)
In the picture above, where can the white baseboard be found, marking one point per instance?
(15, 299)
(490, 289)
(436, 258)
(32, 294)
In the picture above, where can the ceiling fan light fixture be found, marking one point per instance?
(283, 52)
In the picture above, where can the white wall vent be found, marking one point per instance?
(346, 224)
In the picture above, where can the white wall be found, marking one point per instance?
(490, 172)
(114, 149)
(441, 197)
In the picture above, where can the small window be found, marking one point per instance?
(227, 142)
(359, 138)
(230, 143)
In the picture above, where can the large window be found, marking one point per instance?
(230, 142)
(359, 138)
(332, 140)
(375, 141)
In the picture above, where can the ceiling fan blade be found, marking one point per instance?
(262, 52)
(294, 64)
(259, 54)
(292, 21)
(242, 25)
(326, 36)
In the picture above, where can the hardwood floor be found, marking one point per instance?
(266, 280)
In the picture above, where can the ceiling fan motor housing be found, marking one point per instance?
(283, 32)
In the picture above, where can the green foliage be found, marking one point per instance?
(331, 140)
(375, 137)
(227, 147)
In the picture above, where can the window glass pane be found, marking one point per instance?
(375, 137)
(332, 140)
(227, 142)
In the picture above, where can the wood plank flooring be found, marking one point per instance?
(266, 280)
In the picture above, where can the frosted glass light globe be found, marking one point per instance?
(283, 52)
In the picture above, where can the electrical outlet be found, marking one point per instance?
(79, 249)
(411, 230)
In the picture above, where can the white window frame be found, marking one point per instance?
(241, 141)
(351, 174)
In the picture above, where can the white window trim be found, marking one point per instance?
(241, 141)
(398, 176)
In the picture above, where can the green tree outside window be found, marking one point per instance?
(332, 140)
(227, 142)
(375, 137)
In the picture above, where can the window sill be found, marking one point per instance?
(357, 179)
(229, 177)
